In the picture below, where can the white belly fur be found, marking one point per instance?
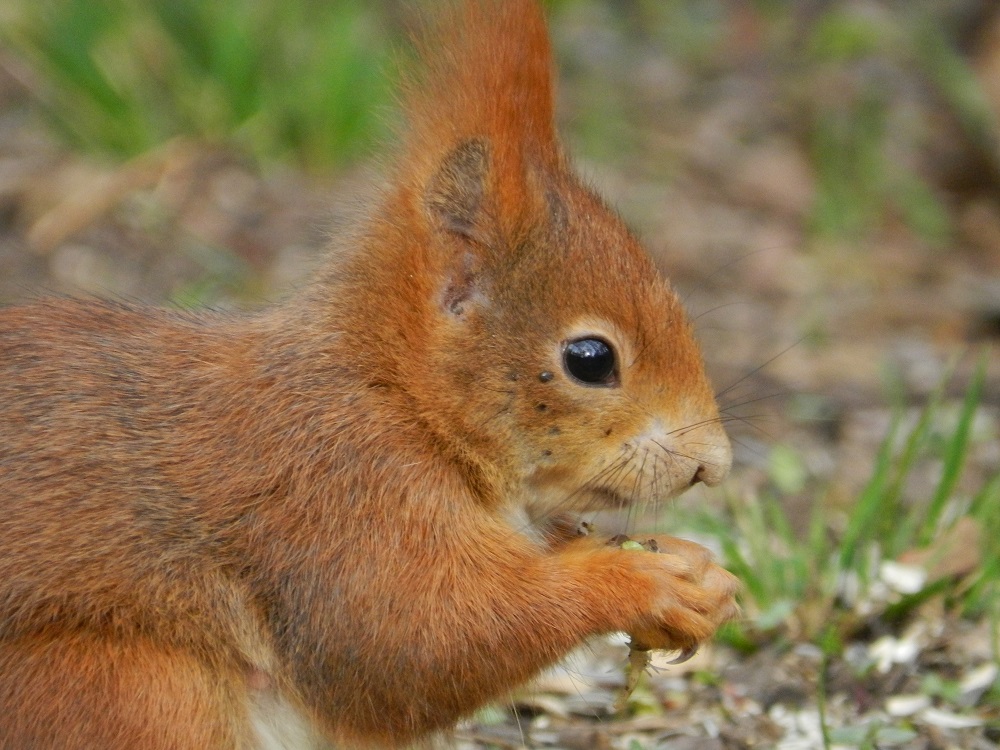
(281, 726)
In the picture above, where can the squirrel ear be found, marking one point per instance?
(455, 192)
(453, 199)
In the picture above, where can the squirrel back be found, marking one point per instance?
(345, 516)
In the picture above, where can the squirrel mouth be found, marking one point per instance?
(608, 499)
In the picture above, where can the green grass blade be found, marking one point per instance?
(955, 454)
(869, 506)
(916, 442)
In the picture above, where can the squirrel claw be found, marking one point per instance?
(684, 655)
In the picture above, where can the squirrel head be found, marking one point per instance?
(526, 326)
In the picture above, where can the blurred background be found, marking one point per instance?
(820, 179)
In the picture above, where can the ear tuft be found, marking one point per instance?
(455, 192)
(483, 70)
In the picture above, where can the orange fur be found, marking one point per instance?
(355, 502)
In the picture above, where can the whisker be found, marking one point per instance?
(746, 421)
(642, 350)
(723, 267)
(779, 394)
(599, 479)
(615, 479)
(695, 425)
(635, 492)
(655, 493)
(711, 310)
(678, 454)
(748, 449)
(757, 369)
(724, 418)
(517, 720)
(503, 409)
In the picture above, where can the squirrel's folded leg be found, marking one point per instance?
(80, 692)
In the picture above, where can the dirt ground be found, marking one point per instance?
(800, 331)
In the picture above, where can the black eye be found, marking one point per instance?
(590, 361)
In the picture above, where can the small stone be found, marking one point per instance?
(904, 579)
(947, 720)
(977, 682)
(906, 705)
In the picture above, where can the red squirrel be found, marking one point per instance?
(342, 520)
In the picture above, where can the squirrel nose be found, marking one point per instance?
(697, 454)
(706, 475)
(715, 461)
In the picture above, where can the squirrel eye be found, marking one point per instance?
(591, 361)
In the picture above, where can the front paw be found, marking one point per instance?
(692, 596)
